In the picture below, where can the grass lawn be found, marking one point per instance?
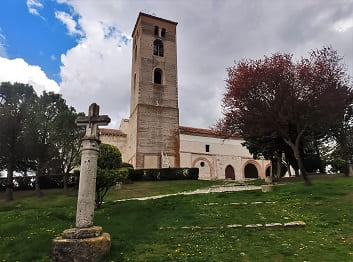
(151, 230)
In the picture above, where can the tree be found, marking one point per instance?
(276, 97)
(109, 171)
(15, 100)
(54, 137)
(68, 142)
(343, 135)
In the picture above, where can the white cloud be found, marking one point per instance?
(344, 25)
(70, 23)
(210, 38)
(17, 70)
(33, 6)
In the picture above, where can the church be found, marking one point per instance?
(152, 137)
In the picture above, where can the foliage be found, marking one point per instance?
(109, 171)
(275, 101)
(144, 230)
(163, 174)
(343, 135)
(55, 139)
(15, 101)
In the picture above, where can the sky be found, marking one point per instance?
(82, 48)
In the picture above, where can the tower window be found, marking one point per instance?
(163, 32)
(158, 47)
(207, 148)
(157, 76)
(135, 52)
(156, 30)
(134, 82)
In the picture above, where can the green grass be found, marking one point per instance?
(28, 225)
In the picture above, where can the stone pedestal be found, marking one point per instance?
(267, 188)
(85, 243)
(81, 245)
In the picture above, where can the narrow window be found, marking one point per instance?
(163, 32)
(134, 82)
(156, 30)
(157, 76)
(135, 52)
(207, 148)
(158, 47)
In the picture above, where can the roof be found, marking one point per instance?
(206, 132)
(151, 16)
(111, 132)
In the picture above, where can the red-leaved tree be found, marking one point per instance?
(277, 97)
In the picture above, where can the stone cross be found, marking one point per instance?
(88, 170)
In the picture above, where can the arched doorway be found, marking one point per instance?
(250, 171)
(229, 173)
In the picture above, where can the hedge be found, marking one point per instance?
(163, 174)
(45, 182)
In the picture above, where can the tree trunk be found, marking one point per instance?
(301, 165)
(65, 179)
(36, 182)
(296, 171)
(9, 183)
(278, 167)
(349, 168)
(288, 169)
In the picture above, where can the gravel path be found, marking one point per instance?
(212, 189)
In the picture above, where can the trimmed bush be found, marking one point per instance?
(45, 182)
(164, 174)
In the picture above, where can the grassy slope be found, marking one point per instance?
(28, 225)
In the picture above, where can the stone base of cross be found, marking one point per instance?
(85, 242)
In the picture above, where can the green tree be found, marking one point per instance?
(109, 171)
(54, 142)
(15, 101)
(68, 142)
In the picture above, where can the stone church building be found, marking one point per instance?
(152, 136)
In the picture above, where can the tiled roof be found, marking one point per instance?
(111, 132)
(206, 132)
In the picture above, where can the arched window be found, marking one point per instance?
(157, 79)
(158, 47)
(163, 32)
(156, 30)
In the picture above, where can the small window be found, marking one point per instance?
(156, 30)
(135, 52)
(207, 148)
(158, 47)
(163, 32)
(134, 82)
(202, 164)
(157, 76)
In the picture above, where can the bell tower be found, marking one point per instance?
(153, 133)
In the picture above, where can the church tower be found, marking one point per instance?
(153, 136)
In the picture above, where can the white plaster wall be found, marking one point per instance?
(223, 152)
(218, 146)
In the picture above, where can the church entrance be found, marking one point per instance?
(230, 172)
(250, 171)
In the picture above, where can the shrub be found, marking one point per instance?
(109, 171)
(164, 174)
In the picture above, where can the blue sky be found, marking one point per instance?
(38, 39)
(82, 48)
